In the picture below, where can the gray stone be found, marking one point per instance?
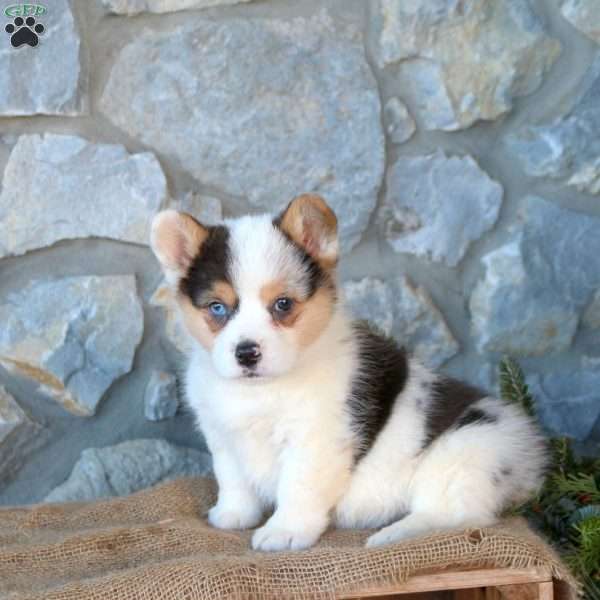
(568, 148)
(371, 299)
(174, 329)
(128, 467)
(591, 317)
(206, 209)
(160, 398)
(568, 401)
(18, 434)
(259, 109)
(135, 7)
(584, 15)
(437, 205)
(406, 312)
(49, 79)
(537, 285)
(460, 62)
(59, 187)
(399, 125)
(73, 336)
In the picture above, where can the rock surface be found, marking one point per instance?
(584, 15)
(135, 7)
(49, 79)
(174, 329)
(128, 467)
(591, 317)
(371, 299)
(258, 109)
(399, 124)
(537, 285)
(18, 434)
(78, 189)
(437, 205)
(460, 62)
(568, 148)
(568, 402)
(73, 336)
(160, 397)
(406, 312)
(206, 209)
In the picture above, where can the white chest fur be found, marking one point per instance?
(266, 426)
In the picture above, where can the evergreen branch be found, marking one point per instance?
(513, 387)
(580, 486)
(567, 509)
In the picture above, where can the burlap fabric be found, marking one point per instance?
(156, 544)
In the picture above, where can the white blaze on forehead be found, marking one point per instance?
(261, 254)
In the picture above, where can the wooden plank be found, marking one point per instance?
(471, 594)
(523, 591)
(493, 593)
(455, 580)
(546, 590)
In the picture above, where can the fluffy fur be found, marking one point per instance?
(318, 418)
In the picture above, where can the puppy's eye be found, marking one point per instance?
(283, 305)
(218, 310)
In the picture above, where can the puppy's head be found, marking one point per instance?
(255, 292)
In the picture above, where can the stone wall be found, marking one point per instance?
(458, 141)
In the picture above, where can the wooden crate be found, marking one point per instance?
(482, 584)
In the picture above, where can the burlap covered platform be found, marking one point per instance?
(156, 544)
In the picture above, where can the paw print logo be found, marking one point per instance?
(24, 32)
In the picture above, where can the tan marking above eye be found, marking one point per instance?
(226, 293)
(271, 291)
(220, 291)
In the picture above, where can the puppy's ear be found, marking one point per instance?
(310, 222)
(176, 238)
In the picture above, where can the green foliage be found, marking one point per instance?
(567, 509)
(513, 386)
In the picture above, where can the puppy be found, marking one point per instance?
(320, 417)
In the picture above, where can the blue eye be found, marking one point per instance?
(218, 309)
(283, 305)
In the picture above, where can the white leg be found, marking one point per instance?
(238, 506)
(417, 524)
(450, 489)
(311, 483)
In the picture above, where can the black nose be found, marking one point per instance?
(248, 353)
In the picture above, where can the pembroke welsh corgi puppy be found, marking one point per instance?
(318, 417)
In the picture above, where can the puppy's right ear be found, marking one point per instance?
(176, 238)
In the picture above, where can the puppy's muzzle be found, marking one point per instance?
(248, 354)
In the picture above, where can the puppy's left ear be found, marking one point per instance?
(310, 222)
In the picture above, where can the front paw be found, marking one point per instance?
(225, 516)
(271, 538)
(387, 535)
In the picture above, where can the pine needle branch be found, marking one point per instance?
(513, 387)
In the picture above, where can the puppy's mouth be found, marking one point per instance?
(252, 375)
